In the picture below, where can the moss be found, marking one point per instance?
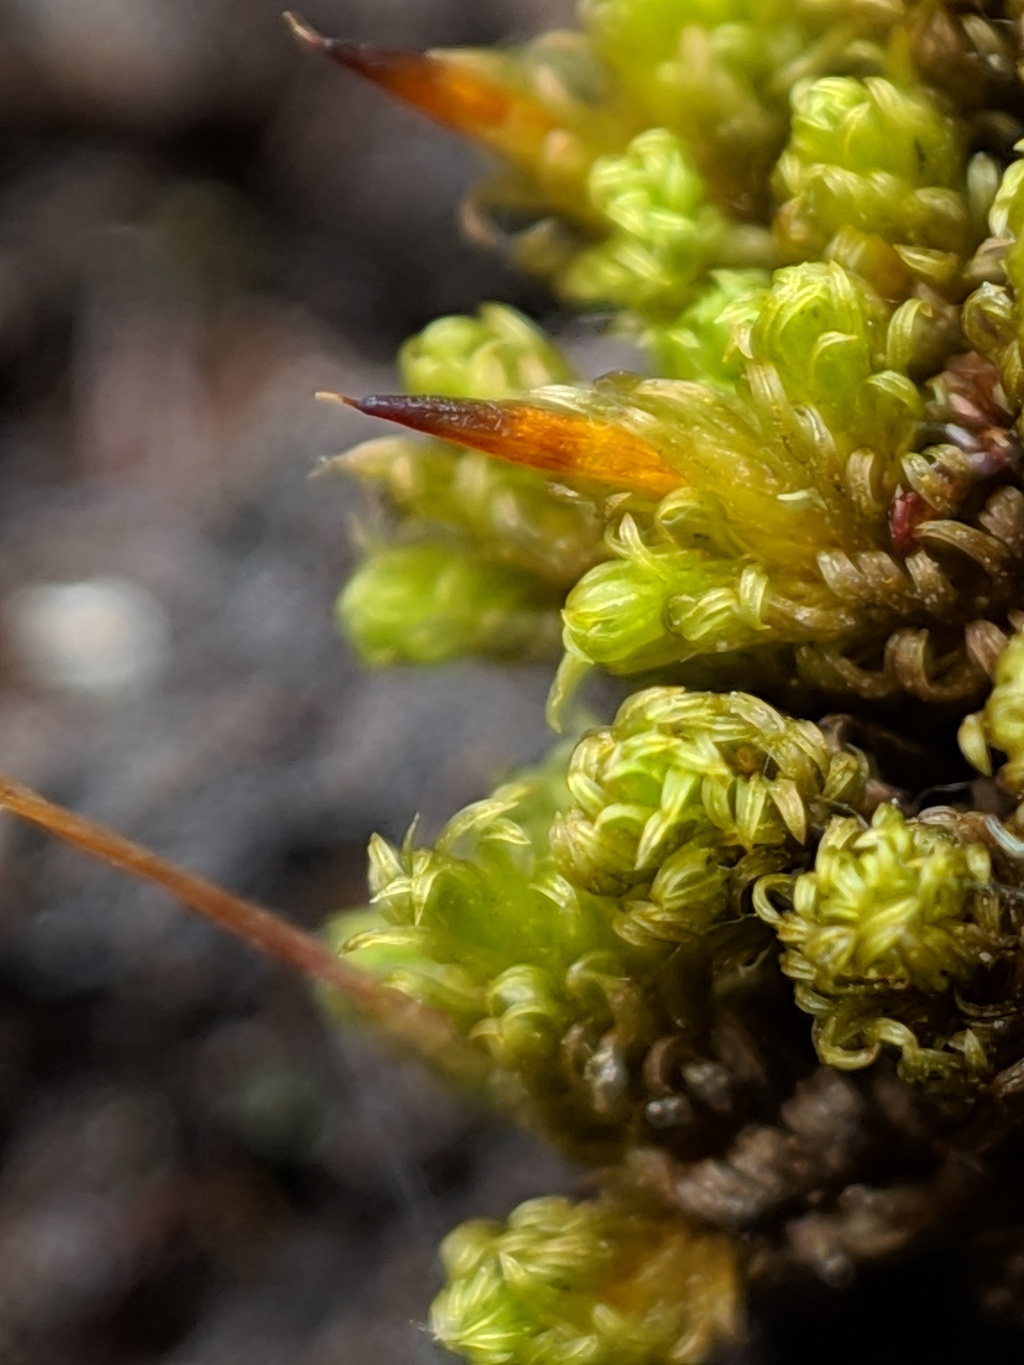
(667, 940)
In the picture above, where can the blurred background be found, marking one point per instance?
(201, 225)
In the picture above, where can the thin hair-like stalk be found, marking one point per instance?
(414, 1026)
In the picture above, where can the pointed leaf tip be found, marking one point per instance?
(304, 31)
(452, 92)
(566, 444)
(342, 399)
(425, 412)
(375, 61)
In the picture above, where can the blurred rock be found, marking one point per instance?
(104, 637)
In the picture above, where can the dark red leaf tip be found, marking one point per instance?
(375, 61)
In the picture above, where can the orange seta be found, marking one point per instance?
(565, 444)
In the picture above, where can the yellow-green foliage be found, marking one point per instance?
(808, 485)
(543, 918)
(892, 920)
(1001, 725)
(585, 1284)
(483, 554)
(865, 157)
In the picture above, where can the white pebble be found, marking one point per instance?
(103, 636)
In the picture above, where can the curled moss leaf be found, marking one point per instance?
(779, 532)
(574, 925)
(687, 798)
(663, 234)
(1001, 724)
(718, 73)
(604, 1283)
(424, 603)
(992, 316)
(868, 157)
(895, 918)
(496, 354)
(499, 511)
(702, 342)
(489, 931)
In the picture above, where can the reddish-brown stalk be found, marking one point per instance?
(414, 1026)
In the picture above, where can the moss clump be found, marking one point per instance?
(806, 217)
